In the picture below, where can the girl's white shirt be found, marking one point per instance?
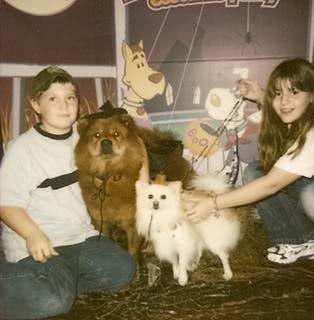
(303, 163)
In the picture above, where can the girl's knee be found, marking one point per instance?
(307, 196)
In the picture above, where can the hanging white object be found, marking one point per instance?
(243, 73)
(41, 7)
(169, 94)
(197, 95)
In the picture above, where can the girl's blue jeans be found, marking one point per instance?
(34, 290)
(283, 214)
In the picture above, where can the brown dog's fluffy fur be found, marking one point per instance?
(109, 155)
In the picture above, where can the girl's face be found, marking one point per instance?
(58, 108)
(290, 103)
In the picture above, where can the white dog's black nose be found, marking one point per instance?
(106, 146)
(156, 205)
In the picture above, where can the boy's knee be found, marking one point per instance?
(126, 272)
(57, 304)
(33, 304)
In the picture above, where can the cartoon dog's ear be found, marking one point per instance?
(82, 125)
(126, 51)
(126, 81)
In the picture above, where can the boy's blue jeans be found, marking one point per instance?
(283, 214)
(33, 290)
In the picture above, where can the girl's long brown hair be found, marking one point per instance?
(276, 136)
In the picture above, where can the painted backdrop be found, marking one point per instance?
(193, 52)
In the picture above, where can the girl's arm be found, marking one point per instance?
(254, 191)
(37, 243)
(251, 90)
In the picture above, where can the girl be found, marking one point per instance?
(282, 182)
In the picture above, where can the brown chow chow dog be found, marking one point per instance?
(111, 157)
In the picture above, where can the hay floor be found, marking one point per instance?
(259, 290)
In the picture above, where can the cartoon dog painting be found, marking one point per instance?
(241, 131)
(236, 140)
(142, 81)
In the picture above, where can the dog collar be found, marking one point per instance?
(134, 104)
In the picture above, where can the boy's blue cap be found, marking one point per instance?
(42, 81)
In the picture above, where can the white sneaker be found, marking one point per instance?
(288, 253)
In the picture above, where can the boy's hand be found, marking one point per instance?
(40, 247)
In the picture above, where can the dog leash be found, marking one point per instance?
(101, 195)
(149, 229)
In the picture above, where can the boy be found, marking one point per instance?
(51, 248)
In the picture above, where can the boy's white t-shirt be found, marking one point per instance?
(32, 162)
(303, 163)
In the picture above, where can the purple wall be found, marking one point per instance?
(221, 43)
(276, 32)
(83, 34)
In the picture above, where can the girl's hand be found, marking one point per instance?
(198, 207)
(251, 90)
(40, 247)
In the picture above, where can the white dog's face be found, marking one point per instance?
(158, 197)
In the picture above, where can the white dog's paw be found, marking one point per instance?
(228, 275)
(176, 272)
(183, 279)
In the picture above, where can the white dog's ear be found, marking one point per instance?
(176, 186)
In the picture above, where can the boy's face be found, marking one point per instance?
(57, 107)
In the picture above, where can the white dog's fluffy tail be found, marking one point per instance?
(211, 182)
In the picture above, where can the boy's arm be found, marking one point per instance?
(37, 243)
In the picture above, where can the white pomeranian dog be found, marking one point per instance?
(219, 232)
(160, 219)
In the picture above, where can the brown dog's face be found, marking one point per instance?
(106, 138)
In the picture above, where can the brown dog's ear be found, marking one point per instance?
(82, 125)
(127, 120)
